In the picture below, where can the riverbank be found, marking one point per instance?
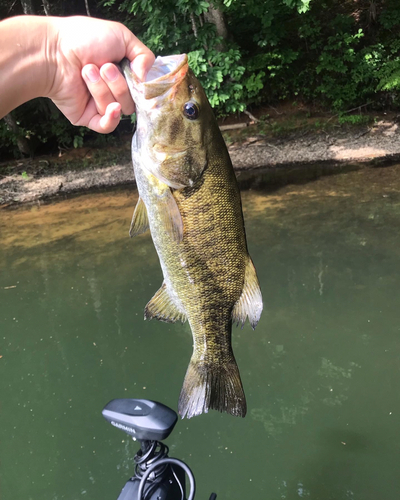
(304, 146)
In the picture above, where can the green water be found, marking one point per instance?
(321, 371)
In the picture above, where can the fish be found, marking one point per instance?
(190, 200)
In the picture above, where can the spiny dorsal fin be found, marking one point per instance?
(250, 302)
(163, 308)
(140, 221)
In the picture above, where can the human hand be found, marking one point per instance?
(87, 87)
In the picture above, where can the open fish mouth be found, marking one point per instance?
(167, 68)
(166, 72)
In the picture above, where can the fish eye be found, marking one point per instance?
(191, 111)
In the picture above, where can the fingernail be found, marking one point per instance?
(111, 73)
(141, 65)
(93, 75)
(116, 114)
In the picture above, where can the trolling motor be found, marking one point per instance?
(156, 476)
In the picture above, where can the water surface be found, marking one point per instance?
(321, 371)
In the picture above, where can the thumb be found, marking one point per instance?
(141, 65)
(141, 57)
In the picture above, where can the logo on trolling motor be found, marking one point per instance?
(123, 427)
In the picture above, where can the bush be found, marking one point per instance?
(245, 54)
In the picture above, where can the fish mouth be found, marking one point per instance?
(165, 73)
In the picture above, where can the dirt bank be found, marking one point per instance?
(250, 149)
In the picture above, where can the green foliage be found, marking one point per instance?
(353, 119)
(387, 61)
(44, 126)
(301, 5)
(221, 76)
(177, 27)
(336, 63)
(390, 16)
(8, 141)
(78, 141)
(340, 67)
(337, 53)
(233, 71)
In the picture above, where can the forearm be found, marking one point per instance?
(26, 48)
(71, 61)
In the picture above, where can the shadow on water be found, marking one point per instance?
(320, 372)
(274, 177)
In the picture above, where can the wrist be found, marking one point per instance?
(27, 59)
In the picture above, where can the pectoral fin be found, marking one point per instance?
(162, 307)
(250, 302)
(171, 216)
(167, 212)
(140, 221)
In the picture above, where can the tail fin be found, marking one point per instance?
(212, 386)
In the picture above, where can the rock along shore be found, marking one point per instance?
(300, 151)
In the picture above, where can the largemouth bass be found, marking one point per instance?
(190, 200)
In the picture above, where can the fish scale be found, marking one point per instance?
(197, 229)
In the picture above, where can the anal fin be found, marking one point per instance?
(163, 308)
(250, 302)
(140, 221)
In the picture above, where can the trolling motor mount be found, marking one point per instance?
(156, 477)
(142, 419)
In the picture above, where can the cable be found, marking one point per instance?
(179, 483)
(168, 461)
(153, 454)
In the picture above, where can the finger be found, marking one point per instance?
(103, 124)
(141, 65)
(108, 122)
(97, 87)
(142, 58)
(118, 87)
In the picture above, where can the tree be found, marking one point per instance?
(27, 7)
(338, 53)
(46, 7)
(22, 143)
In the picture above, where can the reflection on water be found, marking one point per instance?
(321, 371)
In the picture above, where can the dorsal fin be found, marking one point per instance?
(250, 302)
(162, 307)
